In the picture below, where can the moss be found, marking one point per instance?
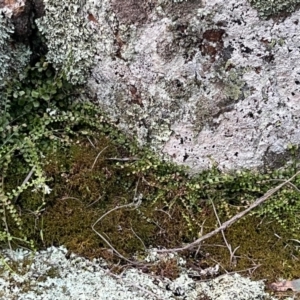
(87, 184)
(85, 188)
(265, 249)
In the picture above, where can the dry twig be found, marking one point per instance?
(123, 159)
(91, 142)
(226, 224)
(132, 205)
(104, 239)
(98, 157)
(223, 235)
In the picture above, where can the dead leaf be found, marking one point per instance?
(283, 286)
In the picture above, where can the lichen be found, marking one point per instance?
(231, 81)
(13, 57)
(269, 8)
(5, 31)
(234, 287)
(70, 39)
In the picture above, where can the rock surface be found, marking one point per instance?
(205, 82)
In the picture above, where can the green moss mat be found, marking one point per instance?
(87, 182)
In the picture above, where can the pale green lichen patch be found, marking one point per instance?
(5, 31)
(13, 58)
(269, 8)
(232, 83)
(178, 9)
(70, 39)
(234, 89)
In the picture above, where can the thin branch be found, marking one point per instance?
(98, 156)
(223, 235)
(91, 142)
(94, 201)
(200, 234)
(133, 204)
(28, 176)
(164, 212)
(291, 184)
(138, 238)
(226, 224)
(250, 270)
(25, 181)
(123, 159)
(72, 198)
(104, 239)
